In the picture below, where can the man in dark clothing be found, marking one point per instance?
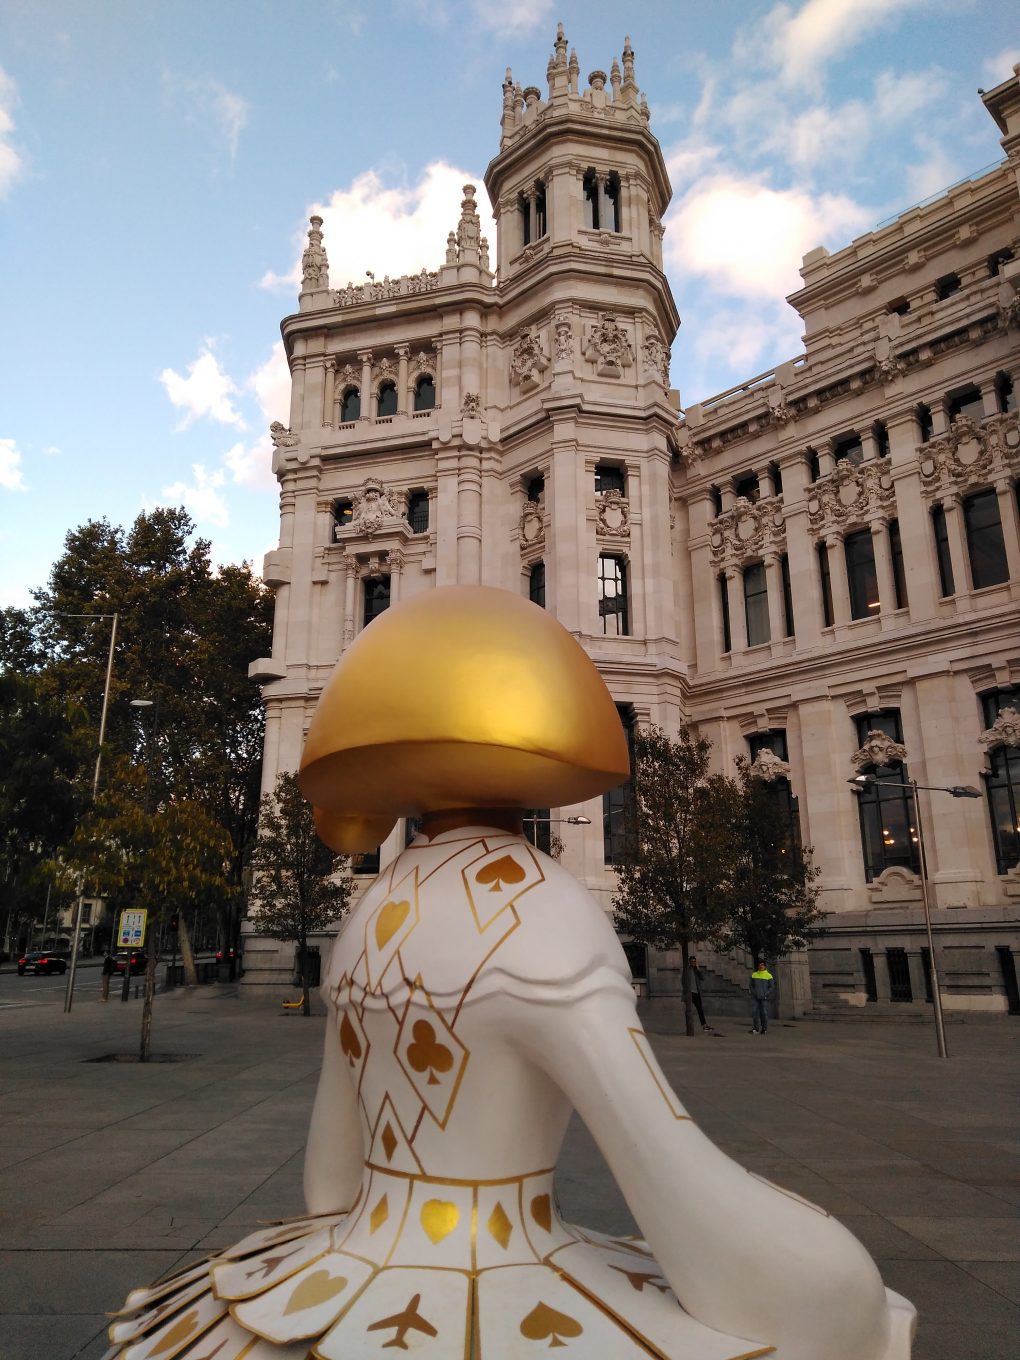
(695, 973)
(762, 986)
(108, 967)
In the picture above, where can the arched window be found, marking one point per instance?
(386, 402)
(425, 393)
(350, 406)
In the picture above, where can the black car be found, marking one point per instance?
(41, 961)
(138, 961)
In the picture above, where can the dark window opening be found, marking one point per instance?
(862, 578)
(898, 572)
(716, 496)
(592, 204)
(343, 513)
(601, 201)
(986, 546)
(756, 604)
(618, 803)
(947, 586)
(637, 959)
(888, 832)
(536, 584)
(418, 512)
(541, 220)
(538, 829)
(612, 584)
(825, 578)
(784, 571)
(868, 969)
(775, 476)
(899, 975)
(925, 428)
(814, 465)
(386, 401)
(367, 863)
(881, 433)
(613, 196)
(425, 393)
(773, 740)
(898, 307)
(993, 701)
(524, 208)
(609, 478)
(412, 825)
(848, 447)
(534, 489)
(724, 603)
(1005, 395)
(350, 406)
(946, 286)
(377, 598)
(1003, 785)
(747, 486)
(997, 259)
(966, 401)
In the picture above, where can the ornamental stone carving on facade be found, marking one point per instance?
(347, 377)
(1004, 731)
(531, 527)
(564, 339)
(608, 348)
(780, 412)
(878, 749)
(656, 357)
(612, 514)
(282, 437)
(471, 405)
(767, 765)
(528, 361)
(747, 531)
(374, 507)
(850, 494)
(1009, 308)
(469, 227)
(970, 454)
(407, 285)
(314, 264)
(424, 362)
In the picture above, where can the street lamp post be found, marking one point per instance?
(69, 993)
(139, 705)
(955, 791)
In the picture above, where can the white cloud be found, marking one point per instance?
(201, 497)
(371, 226)
(511, 17)
(251, 465)
(11, 164)
(11, 478)
(800, 42)
(1000, 67)
(748, 239)
(206, 391)
(934, 170)
(728, 344)
(209, 104)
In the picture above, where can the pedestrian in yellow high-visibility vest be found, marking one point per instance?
(762, 986)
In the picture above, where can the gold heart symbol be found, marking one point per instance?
(500, 871)
(541, 1212)
(316, 1288)
(439, 1218)
(389, 921)
(544, 1321)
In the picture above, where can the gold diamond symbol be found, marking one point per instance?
(389, 1141)
(379, 1214)
(500, 1226)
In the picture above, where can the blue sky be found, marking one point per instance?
(159, 160)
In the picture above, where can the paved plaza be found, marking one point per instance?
(113, 1173)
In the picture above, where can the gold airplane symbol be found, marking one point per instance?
(403, 1322)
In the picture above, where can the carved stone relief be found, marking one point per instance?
(374, 506)
(314, 264)
(531, 527)
(656, 357)
(528, 361)
(608, 348)
(612, 511)
(878, 749)
(747, 530)
(564, 340)
(767, 765)
(970, 454)
(850, 495)
(1004, 731)
(282, 437)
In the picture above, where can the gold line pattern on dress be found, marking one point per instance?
(640, 1040)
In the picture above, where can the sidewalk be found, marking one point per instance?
(112, 1173)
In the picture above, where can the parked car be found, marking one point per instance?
(41, 961)
(138, 961)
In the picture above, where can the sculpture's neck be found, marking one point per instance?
(506, 819)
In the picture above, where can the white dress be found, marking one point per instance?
(476, 995)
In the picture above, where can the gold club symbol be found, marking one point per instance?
(426, 1053)
(500, 871)
(544, 1321)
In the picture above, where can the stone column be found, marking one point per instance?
(800, 546)
(869, 444)
(826, 462)
(953, 507)
(883, 566)
(396, 561)
(774, 589)
(919, 564)
(328, 391)
(403, 405)
(1010, 533)
(350, 587)
(469, 518)
(837, 579)
(939, 421)
(738, 619)
(365, 356)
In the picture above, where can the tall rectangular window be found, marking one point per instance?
(613, 595)
(1003, 782)
(756, 604)
(538, 829)
(536, 584)
(724, 609)
(861, 575)
(985, 544)
(826, 584)
(418, 512)
(618, 803)
(609, 478)
(377, 598)
(888, 830)
(784, 571)
(947, 586)
(896, 553)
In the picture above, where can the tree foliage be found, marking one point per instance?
(671, 889)
(296, 890)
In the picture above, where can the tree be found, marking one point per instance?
(772, 891)
(671, 888)
(295, 892)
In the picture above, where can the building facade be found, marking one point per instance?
(819, 570)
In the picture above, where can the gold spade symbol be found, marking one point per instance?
(179, 1332)
(439, 1218)
(389, 921)
(349, 1041)
(319, 1287)
(544, 1321)
(541, 1212)
(500, 871)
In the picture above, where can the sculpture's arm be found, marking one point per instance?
(741, 1255)
(334, 1155)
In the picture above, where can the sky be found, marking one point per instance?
(159, 160)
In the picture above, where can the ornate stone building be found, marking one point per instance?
(819, 569)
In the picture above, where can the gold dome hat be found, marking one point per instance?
(463, 696)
